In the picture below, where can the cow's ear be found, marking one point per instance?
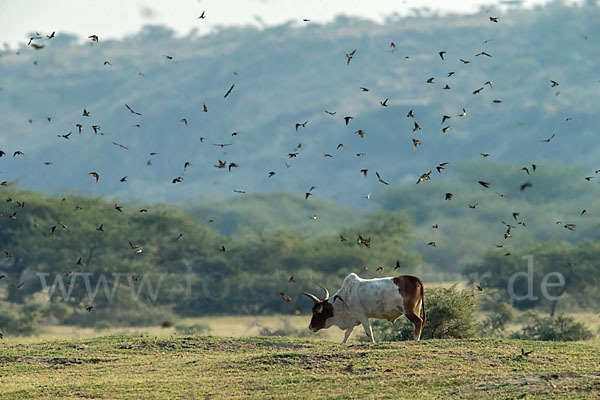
(319, 308)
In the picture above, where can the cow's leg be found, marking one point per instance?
(417, 322)
(367, 326)
(348, 334)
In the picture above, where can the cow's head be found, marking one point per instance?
(322, 311)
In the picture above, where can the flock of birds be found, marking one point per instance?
(36, 42)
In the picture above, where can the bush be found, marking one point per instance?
(500, 315)
(450, 314)
(16, 319)
(560, 329)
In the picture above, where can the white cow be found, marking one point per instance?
(360, 299)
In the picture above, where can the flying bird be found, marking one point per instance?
(133, 112)
(229, 91)
(416, 142)
(120, 145)
(285, 297)
(94, 175)
(549, 139)
(349, 57)
(137, 249)
(526, 185)
(379, 178)
(441, 53)
(364, 241)
(298, 125)
(424, 177)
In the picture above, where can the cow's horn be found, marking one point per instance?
(326, 294)
(312, 297)
(338, 297)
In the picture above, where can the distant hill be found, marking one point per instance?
(287, 75)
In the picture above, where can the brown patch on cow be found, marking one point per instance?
(411, 289)
(322, 311)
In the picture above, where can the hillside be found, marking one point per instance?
(195, 366)
(287, 75)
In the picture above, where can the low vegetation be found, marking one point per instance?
(561, 328)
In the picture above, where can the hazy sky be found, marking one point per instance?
(115, 18)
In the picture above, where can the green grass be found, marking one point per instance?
(126, 366)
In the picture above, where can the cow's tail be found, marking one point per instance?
(423, 301)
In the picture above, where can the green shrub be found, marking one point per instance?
(450, 314)
(560, 329)
(500, 314)
(17, 319)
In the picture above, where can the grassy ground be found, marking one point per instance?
(127, 366)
